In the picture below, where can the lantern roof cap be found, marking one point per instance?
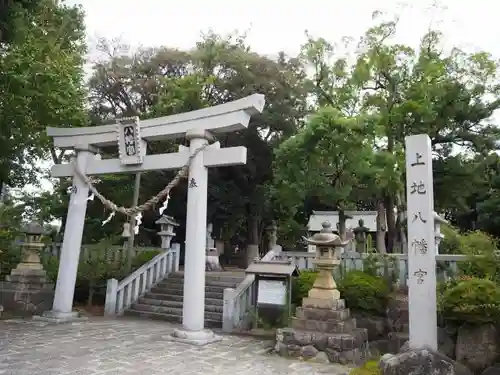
(165, 219)
(33, 228)
(326, 237)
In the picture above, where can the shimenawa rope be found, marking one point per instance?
(151, 202)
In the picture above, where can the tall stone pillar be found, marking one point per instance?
(193, 311)
(62, 309)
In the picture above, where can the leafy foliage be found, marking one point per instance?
(481, 249)
(451, 97)
(365, 292)
(301, 285)
(470, 300)
(41, 84)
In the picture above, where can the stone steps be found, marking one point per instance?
(209, 307)
(165, 300)
(169, 317)
(179, 288)
(214, 299)
(177, 294)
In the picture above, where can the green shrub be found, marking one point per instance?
(143, 257)
(365, 292)
(451, 243)
(475, 242)
(481, 250)
(470, 300)
(51, 267)
(9, 259)
(301, 285)
(369, 368)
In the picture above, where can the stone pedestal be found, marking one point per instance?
(323, 329)
(331, 331)
(26, 292)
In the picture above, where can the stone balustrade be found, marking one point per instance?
(354, 261)
(121, 295)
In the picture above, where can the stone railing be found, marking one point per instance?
(354, 261)
(121, 295)
(238, 302)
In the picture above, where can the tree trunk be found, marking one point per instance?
(381, 228)
(391, 222)
(342, 227)
(399, 223)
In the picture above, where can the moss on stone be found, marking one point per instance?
(369, 368)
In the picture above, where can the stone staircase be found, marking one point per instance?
(164, 300)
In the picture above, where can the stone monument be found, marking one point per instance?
(323, 326)
(421, 243)
(360, 233)
(26, 290)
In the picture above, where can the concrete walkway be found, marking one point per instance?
(123, 346)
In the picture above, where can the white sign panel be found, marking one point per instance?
(421, 246)
(129, 141)
(271, 292)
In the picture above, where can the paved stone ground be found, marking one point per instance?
(125, 346)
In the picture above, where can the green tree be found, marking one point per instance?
(448, 96)
(163, 81)
(41, 84)
(329, 159)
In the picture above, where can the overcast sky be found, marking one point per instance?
(276, 25)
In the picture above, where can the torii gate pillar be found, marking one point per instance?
(193, 308)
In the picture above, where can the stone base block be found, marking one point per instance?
(26, 296)
(30, 272)
(322, 314)
(421, 362)
(56, 317)
(319, 303)
(343, 348)
(328, 294)
(396, 341)
(328, 326)
(198, 338)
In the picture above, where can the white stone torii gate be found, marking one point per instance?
(198, 127)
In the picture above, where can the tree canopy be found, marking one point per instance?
(41, 60)
(331, 135)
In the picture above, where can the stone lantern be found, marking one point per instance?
(323, 315)
(26, 289)
(31, 248)
(329, 247)
(167, 230)
(438, 236)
